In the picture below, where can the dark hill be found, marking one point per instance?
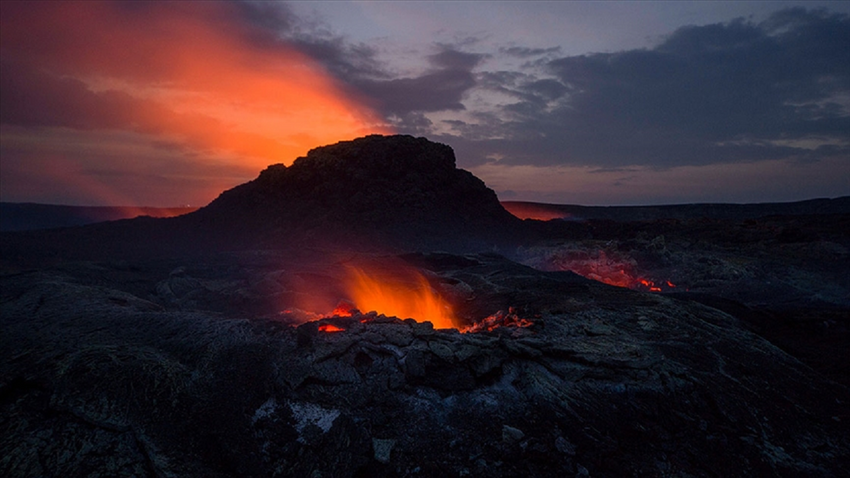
(401, 190)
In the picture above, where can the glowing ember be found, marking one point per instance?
(404, 294)
(499, 319)
(330, 328)
(343, 309)
(649, 285)
(299, 316)
(609, 268)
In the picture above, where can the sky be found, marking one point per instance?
(595, 103)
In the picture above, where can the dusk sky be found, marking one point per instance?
(596, 103)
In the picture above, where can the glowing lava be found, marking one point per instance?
(403, 293)
(499, 319)
(400, 292)
(343, 309)
(330, 328)
(610, 268)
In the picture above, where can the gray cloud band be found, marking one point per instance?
(720, 93)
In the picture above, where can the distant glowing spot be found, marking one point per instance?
(330, 328)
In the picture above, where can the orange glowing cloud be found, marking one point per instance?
(192, 74)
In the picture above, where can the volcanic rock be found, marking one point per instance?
(398, 190)
(785, 277)
(103, 374)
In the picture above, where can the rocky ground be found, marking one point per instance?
(784, 277)
(155, 369)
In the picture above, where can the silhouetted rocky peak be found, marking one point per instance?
(390, 157)
(400, 187)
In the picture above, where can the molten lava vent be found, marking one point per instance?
(403, 293)
(370, 293)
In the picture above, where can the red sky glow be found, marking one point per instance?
(206, 101)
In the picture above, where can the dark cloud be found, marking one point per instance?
(31, 97)
(547, 89)
(524, 52)
(738, 91)
(402, 99)
(451, 59)
(414, 123)
(350, 63)
(274, 24)
(274, 17)
(522, 85)
(486, 125)
(440, 90)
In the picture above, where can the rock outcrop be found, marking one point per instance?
(398, 190)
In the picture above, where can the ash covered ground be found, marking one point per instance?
(205, 345)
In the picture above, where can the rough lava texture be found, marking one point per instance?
(785, 277)
(112, 380)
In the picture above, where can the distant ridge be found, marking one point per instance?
(32, 216)
(543, 211)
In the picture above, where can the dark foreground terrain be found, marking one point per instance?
(108, 370)
(182, 347)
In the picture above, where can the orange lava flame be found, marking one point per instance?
(649, 285)
(399, 292)
(343, 309)
(330, 328)
(404, 294)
